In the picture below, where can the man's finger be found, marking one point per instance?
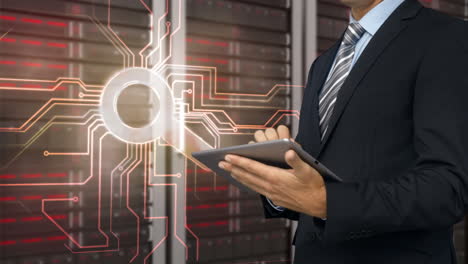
(254, 182)
(260, 136)
(250, 180)
(271, 134)
(252, 142)
(283, 132)
(252, 166)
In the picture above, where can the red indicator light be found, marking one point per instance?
(8, 40)
(204, 42)
(7, 243)
(31, 42)
(221, 44)
(221, 61)
(32, 240)
(204, 59)
(57, 45)
(7, 176)
(221, 223)
(203, 224)
(9, 18)
(61, 88)
(32, 64)
(8, 62)
(32, 86)
(56, 175)
(36, 175)
(57, 66)
(55, 238)
(7, 220)
(8, 198)
(204, 189)
(56, 24)
(58, 217)
(31, 20)
(31, 219)
(31, 197)
(222, 188)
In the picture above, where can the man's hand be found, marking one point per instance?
(301, 188)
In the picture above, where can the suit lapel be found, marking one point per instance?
(389, 31)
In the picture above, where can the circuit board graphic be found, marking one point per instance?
(96, 158)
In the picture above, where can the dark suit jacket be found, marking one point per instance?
(399, 139)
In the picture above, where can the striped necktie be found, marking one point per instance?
(339, 73)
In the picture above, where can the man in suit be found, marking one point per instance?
(386, 109)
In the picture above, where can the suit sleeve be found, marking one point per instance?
(269, 211)
(434, 193)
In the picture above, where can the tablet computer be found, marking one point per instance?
(268, 152)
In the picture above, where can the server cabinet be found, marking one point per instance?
(72, 189)
(59, 197)
(249, 44)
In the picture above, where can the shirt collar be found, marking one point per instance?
(375, 18)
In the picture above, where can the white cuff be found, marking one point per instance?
(279, 208)
(276, 207)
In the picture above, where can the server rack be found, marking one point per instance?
(333, 19)
(63, 42)
(249, 42)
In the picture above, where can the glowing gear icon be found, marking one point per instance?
(162, 123)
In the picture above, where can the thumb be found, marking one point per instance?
(295, 162)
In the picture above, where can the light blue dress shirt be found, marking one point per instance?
(371, 22)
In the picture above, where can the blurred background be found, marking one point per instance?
(77, 186)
